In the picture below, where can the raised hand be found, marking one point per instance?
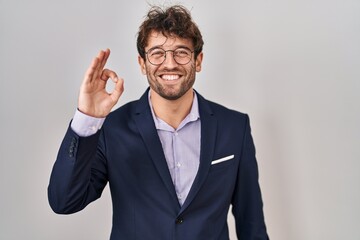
(94, 100)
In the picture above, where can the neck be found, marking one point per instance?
(172, 111)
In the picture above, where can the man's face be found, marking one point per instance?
(170, 80)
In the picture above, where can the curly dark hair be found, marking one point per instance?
(175, 20)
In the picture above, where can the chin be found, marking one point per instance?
(171, 97)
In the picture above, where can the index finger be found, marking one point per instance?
(107, 73)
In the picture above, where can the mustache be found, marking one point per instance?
(172, 70)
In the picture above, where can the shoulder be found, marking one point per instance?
(230, 123)
(220, 111)
(121, 115)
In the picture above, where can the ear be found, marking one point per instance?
(198, 62)
(141, 62)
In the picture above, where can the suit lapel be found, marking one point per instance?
(208, 138)
(145, 123)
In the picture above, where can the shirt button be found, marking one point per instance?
(179, 220)
(176, 133)
(178, 164)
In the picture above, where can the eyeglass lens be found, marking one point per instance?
(157, 56)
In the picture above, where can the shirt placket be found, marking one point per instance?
(177, 167)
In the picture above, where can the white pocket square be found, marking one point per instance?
(222, 159)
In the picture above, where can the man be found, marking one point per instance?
(175, 162)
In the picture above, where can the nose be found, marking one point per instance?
(169, 61)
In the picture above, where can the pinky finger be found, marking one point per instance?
(89, 75)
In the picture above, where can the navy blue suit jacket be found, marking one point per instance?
(127, 153)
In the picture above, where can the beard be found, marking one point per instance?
(172, 92)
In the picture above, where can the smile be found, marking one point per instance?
(170, 77)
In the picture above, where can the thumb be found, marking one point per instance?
(118, 89)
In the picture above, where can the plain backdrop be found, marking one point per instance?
(292, 65)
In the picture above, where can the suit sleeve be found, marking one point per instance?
(247, 201)
(79, 174)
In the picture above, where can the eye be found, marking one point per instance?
(182, 52)
(156, 53)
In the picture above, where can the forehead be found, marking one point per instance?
(157, 39)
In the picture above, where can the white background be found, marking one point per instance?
(292, 65)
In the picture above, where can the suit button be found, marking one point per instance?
(179, 220)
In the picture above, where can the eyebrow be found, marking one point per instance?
(176, 47)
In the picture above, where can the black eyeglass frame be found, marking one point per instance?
(165, 51)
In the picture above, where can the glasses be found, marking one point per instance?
(157, 56)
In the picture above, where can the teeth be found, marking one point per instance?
(170, 77)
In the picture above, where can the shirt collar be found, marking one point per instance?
(191, 117)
